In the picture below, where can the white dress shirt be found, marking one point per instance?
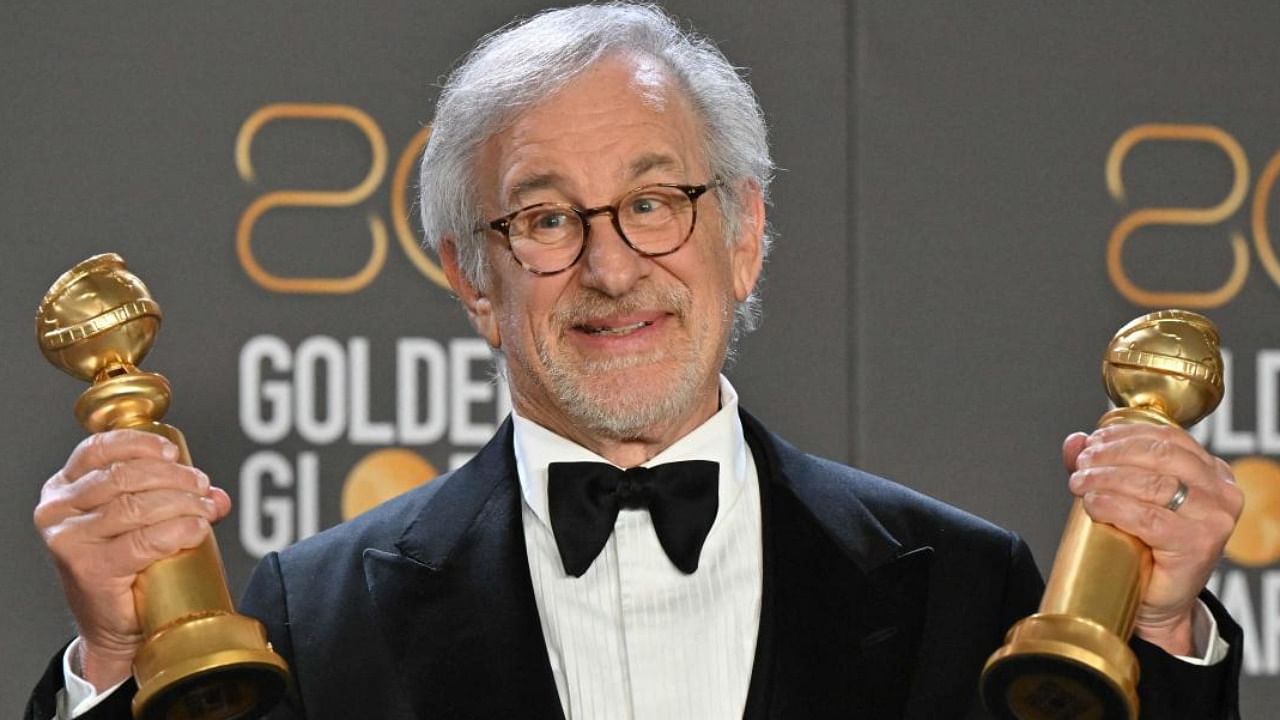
(634, 638)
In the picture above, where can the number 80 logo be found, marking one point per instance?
(333, 199)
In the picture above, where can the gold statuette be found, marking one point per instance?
(199, 659)
(1072, 659)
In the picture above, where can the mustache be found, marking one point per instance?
(590, 303)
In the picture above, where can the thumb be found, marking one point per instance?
(1072, 445)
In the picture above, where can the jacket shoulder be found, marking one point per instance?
(913, 518)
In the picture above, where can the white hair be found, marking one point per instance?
(517, 66)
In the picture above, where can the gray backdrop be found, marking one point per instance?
(935, 306)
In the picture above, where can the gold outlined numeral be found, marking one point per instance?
(1177, 216)
(311, 198)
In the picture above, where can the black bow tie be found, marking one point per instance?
(585, 498)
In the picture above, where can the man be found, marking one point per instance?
(595, 188)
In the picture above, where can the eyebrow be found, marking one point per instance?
(653, 161)
(541, 181)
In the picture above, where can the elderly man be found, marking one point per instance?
(595, 187)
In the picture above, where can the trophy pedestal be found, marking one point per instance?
(1059, 666)
(217, 667)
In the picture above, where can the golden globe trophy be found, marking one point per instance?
(1072, 659)
(199, 659)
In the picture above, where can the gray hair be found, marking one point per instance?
(514, 68)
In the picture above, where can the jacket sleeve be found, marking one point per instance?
(1172, 688)
(43, 703)
(266, 600)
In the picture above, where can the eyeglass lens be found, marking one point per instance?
(654, 220)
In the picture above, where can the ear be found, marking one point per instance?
(747, 253)
(478, 306)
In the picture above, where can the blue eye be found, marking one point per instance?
(550, 221)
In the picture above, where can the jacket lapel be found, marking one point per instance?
(456, 603)
(843, 601)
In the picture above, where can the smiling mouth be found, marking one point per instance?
(619, 330)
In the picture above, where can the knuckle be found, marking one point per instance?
(144, 543)
(1224, 525)
(1151, 518)
(1224, 470)
(188, 532)
(119, 476)
(41, 517)
(1151, 487)
(1235, 501)
(132, 510)
(1161, 449)
(59, 543)
(95, 448)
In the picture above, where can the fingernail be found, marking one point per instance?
(202, 482)
(210, 508)
(170, 451)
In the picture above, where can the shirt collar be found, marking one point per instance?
(719, 439)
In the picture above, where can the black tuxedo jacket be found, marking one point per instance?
(878, 603)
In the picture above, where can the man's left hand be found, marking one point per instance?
(1127, 475)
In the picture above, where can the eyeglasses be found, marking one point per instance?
(654, 220)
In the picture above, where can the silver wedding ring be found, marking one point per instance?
(1179, 497)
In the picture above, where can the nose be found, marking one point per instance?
(608, 262)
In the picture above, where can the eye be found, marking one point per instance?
(546, 220)
(646, 204)
(553, 220)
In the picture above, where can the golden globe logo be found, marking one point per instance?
(381, 476)
(1256, 541)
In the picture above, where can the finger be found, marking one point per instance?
(1148, 487)
(221, 501)
(1155, 453)
(1172, 435)
(101, 486)
(135, 551)
(102, 449)
(1152, 524)
(98, 487)
(1071, 447)
(131, 511)
(1225, 473)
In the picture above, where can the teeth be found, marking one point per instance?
(621, 330)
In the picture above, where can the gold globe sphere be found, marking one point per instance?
(97, 316)
(1168, 363)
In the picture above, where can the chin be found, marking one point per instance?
(628, 403)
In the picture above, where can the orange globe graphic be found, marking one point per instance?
(382, 475)
(1256, 541)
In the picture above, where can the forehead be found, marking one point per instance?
(625, 120)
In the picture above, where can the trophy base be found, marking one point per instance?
(1059, 667)
(217, 667)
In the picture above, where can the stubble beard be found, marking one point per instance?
(605, 398)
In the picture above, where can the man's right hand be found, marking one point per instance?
(119, 504)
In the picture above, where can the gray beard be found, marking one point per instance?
(619, 410)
